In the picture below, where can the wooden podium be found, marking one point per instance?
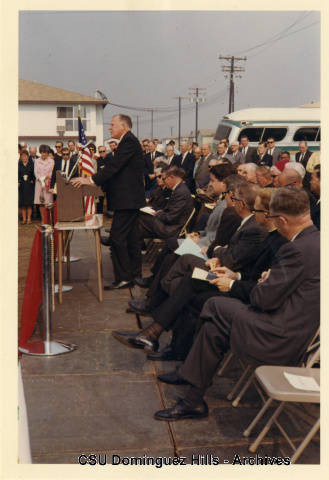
(70, 218)
(70, 206)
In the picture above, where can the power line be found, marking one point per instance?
(274, 37)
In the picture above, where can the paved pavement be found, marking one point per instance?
(100, 399)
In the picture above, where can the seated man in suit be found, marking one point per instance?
(169, 221)
(161, 194)
(241, 253)
(275, 329)
(228, 283)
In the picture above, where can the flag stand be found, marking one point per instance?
(47, 347)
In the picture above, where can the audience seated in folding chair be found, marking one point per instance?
(167, 258)
(283, 314)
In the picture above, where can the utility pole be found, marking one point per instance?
(151, 124)
(171, 131)
(231, 69)
(195, 97)
(179, 117)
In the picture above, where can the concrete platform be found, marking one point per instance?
(101, 398)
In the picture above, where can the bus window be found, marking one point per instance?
(306, 133)
(278, 133)
(223, 131)
(253, 134)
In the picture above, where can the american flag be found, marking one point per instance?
(87, 167)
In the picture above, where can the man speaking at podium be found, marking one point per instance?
(124, 173)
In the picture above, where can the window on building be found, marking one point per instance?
(306, 133)
(278, 133)
(253, 134)
(69, 117)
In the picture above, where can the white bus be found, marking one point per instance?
(288, 126)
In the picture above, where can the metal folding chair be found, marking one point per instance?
(277, 387)
(250, 370)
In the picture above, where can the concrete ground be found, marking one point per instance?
(100, 399)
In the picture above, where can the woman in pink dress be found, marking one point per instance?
(43, 168)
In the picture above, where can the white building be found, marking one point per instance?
(48, 114)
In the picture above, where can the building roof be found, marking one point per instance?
(310, 105)
(33, 92)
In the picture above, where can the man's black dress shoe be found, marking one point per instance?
(137, 340)
(172, 378)
(166, 354)
(139, 306)
(105, 240)
(181, 410)
(119, 286)
(144, 282)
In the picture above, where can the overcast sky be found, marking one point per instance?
(145, 59)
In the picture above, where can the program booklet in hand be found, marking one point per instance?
(189, 246)
(200, 274)
(148, 210)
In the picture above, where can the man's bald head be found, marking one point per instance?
(290, 177)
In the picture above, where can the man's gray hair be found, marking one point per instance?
(289, 201)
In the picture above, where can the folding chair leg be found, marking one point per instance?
(306, 441)
(225, 363)
(237, 399)
(259, 415)
(230, 396)
(253, 447)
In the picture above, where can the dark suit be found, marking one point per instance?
(124, 174)
(229, 222)
(176, 161)
(315, 214)
(250, 155)
(246, 245)
(242, 288)
(276, 328)
(187, 320)
(169, 221)
(188, 165)
(149, 169)
(58, 166)
(305, 159)
(306, 156)
(243, 248)
(159, 198)
(101, 162)
(266, 160)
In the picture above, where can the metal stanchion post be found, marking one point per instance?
(47, 347)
